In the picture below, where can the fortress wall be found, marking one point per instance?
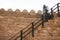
(18, 13)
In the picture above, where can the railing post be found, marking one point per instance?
(32, 29)
(52, 14)
(21, 35)
(58, 9)
(42, 21)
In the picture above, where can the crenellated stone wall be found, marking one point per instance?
(18, 13)
(11, 22)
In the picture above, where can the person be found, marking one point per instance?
(45, 13)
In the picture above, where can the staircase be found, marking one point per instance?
(49, 32)
(35, 30)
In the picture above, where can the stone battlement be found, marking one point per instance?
(18, 13)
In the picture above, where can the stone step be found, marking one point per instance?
(49, 32)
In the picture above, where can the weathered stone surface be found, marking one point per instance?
(11, 23)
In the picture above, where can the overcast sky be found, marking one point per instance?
(27, 4)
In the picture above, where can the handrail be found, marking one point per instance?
(29, 24)
(37, 22)
(38, 25)
(55, 8)
(14, 35)
(27, 34)
(28, 29)
(26, 26)
(54, 5)
(22, 29)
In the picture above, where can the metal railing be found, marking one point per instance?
(55, 8)
(29, 29)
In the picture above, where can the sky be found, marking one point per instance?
(27, 4)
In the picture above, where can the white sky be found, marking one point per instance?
(27, 4)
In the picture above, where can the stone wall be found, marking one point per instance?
(18, 13)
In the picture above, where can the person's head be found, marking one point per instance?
(44, 6)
